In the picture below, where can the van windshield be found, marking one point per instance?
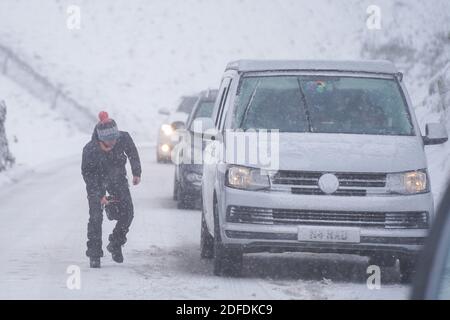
(186, 104)
(322, 104)
(204, 109)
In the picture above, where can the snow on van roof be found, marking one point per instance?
(367, 66)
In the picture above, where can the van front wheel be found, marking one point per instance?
(206, 241)
(227, 261)
(407, 268)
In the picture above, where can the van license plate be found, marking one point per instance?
(329, 234)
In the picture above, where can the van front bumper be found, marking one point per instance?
(279, 237)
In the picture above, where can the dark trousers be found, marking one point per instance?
(94, 230)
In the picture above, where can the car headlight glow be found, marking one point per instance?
(167, 129)
(239, 177)
(408, 182)
(165, 148)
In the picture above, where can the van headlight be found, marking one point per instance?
(167, 129)
(239, 177)
(408, 182)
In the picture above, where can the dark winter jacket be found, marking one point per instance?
(101, 169)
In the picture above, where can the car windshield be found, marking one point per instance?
(204, 109)
(322, 104)
(186, 105)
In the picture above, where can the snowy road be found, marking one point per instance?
(43, 231)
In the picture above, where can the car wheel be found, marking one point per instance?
(383, 260)
(183, 200)
(206, 241)
(227, 261)
(407, 268)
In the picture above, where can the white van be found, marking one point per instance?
(351, 172)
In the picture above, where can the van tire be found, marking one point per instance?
(227, 261)
(408, 266)
(206, 241)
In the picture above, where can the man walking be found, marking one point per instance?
(103, 170)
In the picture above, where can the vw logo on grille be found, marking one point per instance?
(328, 183)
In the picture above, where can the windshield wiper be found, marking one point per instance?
(305, 102)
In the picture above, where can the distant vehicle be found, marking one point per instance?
(432, 281)
(352, 173)
(188, 173)
(167, 136)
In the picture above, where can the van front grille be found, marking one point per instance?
(387, 220)
(342, 192)
(350, 184)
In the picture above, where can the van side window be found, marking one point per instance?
(223, 91)
(218, 101)
(222, 109)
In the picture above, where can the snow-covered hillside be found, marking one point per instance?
(416, 36)
(134, 57)
(37, 135)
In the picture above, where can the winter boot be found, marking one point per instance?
(95, 263)
(116, 252)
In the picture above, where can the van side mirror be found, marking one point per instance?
(204, 127)
(435, 133)
(178, 125)
(164, 111)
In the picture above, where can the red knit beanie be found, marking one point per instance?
(107, 128)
